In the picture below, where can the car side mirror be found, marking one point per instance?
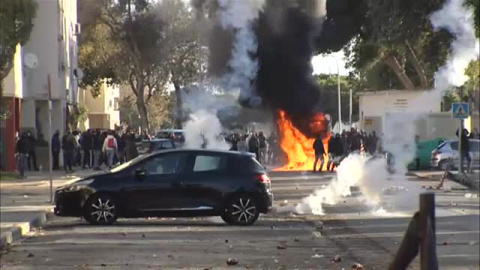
(140, 173)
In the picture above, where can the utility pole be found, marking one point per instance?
(460, 134)
(339, 99)
(351, 108)
(50, 165)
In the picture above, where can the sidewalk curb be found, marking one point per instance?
(21, 229)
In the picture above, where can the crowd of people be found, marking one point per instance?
(264, 148)
(90, 149)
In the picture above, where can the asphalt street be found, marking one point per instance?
(351, 230)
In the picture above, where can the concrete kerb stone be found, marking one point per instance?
(18, 230)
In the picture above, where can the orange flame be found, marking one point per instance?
(298, 147)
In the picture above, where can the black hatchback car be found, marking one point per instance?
(172, 183)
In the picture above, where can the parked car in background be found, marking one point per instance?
(149, 146)
(186, 183)
(423, 154)
(177, 135)
(449, 149)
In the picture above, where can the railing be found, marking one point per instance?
(420, 236)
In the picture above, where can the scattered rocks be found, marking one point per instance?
(143, 235)
(103, 265)
(281, 246)
(472, 243)
(296, 239)
(30, 255)
(445, 243)
(316, 256)
(171, 257)
(272, 227)
(226, 240)
(124, 234)
(357, 266)
(337, 259)
(232, 261)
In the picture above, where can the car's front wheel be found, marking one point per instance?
(241, 210)
(100, 209)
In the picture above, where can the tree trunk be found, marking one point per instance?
(416, 65)
(178, 106)
(393, 63)
(142, 111)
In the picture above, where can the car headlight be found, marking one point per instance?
(78, 185)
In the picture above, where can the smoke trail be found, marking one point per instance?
(457, 18)
(372, 179)
(203, 130)
(239, 17)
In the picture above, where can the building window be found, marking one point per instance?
(115, 104)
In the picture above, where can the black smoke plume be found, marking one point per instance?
(289, 33)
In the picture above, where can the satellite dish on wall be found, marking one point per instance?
(30, 60)
(78, 73)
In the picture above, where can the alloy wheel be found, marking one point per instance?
(243, 210)
(101, 210)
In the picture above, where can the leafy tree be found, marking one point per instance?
(145, 44)
(397, 47)
(16, 24)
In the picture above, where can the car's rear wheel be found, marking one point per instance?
(100, 209)
(241, 210)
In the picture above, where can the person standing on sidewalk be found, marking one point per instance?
(131, 151)
(263, 148)
(22, 154)
(109, 148)
(32, 153)
(56, 146)
(68, 146)
(97, 150)
(87, 145)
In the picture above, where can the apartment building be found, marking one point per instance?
(103, 111)
(44, 69)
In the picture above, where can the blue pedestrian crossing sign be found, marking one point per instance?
(460, 110)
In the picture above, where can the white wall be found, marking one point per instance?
(13, 83)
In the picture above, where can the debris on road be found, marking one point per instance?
(337, 259)
(281, 246)
(296, 239)
(472, 243)
(226, 240)
(357, 266)
(143, 235)
(471, 195)
(232, 261)
(103, 265)
(124, 234)
(316, 256)
(30, 255)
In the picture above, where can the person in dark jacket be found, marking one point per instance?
(22, 150)
(87, 147)
(56, 147)
(319, 153)
(32, 151)
(68, 146)
(97, 149)
(254, 146)
(335, 151)
(131, 151)
(465, 150)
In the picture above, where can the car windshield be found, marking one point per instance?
(126, 164)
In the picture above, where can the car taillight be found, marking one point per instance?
(263, 178)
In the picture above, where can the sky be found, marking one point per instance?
(327, 63)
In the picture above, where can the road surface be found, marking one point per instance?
(350, 230)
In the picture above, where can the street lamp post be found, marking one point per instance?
(339, 98)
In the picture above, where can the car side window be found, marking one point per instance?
(207, 163)
(454, 145)
(164, 164)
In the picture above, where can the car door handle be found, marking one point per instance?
(181, 185)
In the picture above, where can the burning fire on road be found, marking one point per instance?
(298, 147)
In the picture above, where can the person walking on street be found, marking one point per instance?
(22, 154)
(335, 151)
(319, 153)
(68, 146)
(263, 147)
(131, 151)
(110, 146)
(32, 153)
(56, 147)
(254, 146)
(465, 150)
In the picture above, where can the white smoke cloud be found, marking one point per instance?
(239, 16)
(373, 181)
(457, 18)
(203, 130)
